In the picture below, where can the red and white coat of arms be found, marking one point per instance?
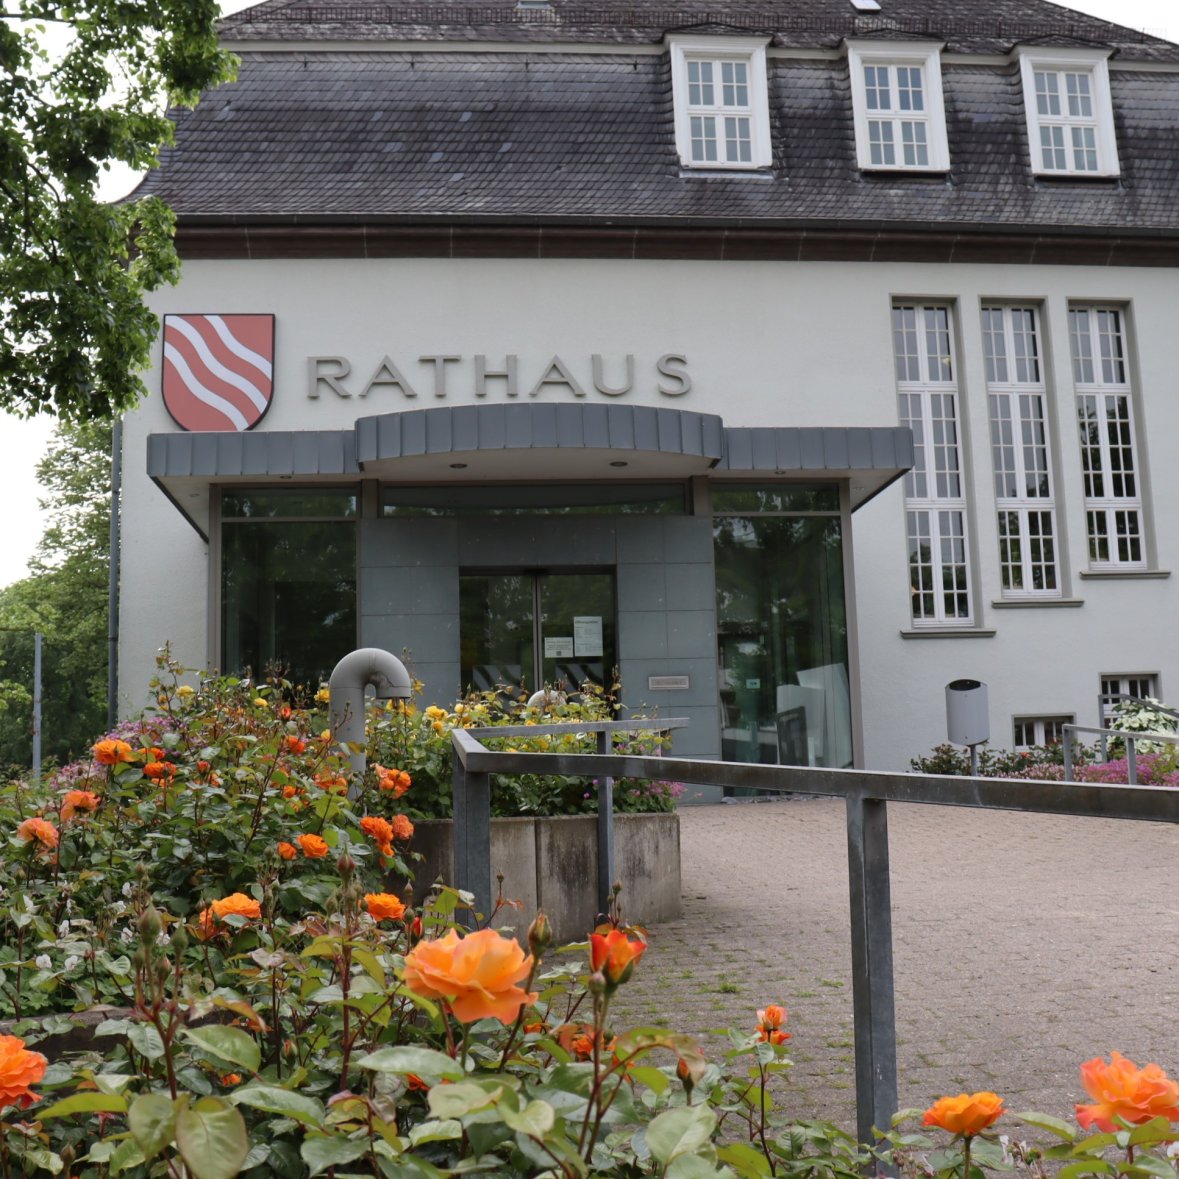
(218, 371)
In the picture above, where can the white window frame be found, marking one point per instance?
(891, 55)
(752, 52)
(1092, 63)
(1119, 684)
(935, 509)
(1123, 515)
(1017, 407)
(1039, 728)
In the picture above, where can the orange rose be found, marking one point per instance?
(383, 906)
(161, 771)
(402, 828)
(1122, 1090)
(476, 974)
(294, 744)
(236, 904)
(333, 783)
(111, 753)
(231, 1079)
(396, 782)
(967, 1114)
(377, 829)
(19, 1068)
(40, 830)
(78, 800)
(769, 1024)
(615, 955)
(287, 851)
(314, 848)
(577, 1039)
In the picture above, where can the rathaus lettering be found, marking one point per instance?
(461, 376)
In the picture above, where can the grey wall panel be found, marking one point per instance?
(544, 425)
(691, 633)
(423, 541)
(409, 589)
(428, 638)
(639, 543)
(689, 586)
(439, 434)
(413, 434)
(814, 457)
(738, 450)
(464, 425)
(641, 587)
(687, 539)
(537, 542)
(765, 450)
(859, 448)
(787, 450)
(493, 427)
(642, 634)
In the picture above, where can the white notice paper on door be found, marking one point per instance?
(587, 635)
(558, 648)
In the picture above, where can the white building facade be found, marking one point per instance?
(789, 368)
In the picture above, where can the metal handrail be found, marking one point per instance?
(866, 794)
(1131, 739)
(1112, 698)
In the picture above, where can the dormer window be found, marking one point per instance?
(1069, 112)
(900, 117)
(722, 115)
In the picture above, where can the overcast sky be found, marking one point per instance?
(23, 442)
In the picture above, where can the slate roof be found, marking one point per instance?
(968, 25)
(552, 137)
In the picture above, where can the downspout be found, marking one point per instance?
(368, 666)
(112, 624)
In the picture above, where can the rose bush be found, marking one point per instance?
(276, 999)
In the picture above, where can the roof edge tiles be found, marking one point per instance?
(539, 425)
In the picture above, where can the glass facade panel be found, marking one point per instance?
(782, 640)
(545, 498)
(271, 502)
(288, 597)
(775, 497)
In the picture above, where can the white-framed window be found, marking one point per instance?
(1140, 685)
(1069, 111)
(1039, 730)
(1020, 451)
(1105, 417)
(900, 116)
(935, 494)
(721, 98)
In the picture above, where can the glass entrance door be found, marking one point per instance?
(535, 629)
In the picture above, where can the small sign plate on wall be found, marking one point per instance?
(668, 683)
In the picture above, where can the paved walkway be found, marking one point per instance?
(1023, 945)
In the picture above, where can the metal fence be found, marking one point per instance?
(1129, 737)
(866, 794)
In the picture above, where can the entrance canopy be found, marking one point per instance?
(521, 442)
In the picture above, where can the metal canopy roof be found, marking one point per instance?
(524, 442)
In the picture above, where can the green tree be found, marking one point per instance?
(65, 598)
(82, 86)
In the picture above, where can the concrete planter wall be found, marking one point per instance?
(552, 864)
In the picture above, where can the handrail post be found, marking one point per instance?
(605, 831)
(1068, 753)
(872, 976)
(472, 835)
(1131, 762)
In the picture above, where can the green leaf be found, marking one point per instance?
(127, 1155)
(536, 1119)
(85, 1103)
(152, 1120)
(211, 1136)
(1152, 1132)
(146, 1040)
(453, 1101)
(431, 1066)
(231, 1044)
(321, 1153)
(1046, 1122)
(680, 1131)
(749, 1161)
(435, 1131)
(272, 1099)
(45, 1159)
(694, 1166)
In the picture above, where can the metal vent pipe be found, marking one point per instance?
(370, 666)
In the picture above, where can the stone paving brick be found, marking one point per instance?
(1023, 945)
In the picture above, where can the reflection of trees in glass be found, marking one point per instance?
(780, 610)
(288, 597)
